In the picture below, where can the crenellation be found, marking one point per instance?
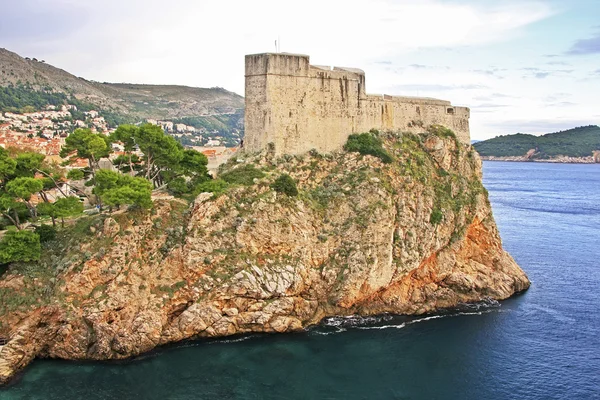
(299, 107)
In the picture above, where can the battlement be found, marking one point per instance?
(299, 107)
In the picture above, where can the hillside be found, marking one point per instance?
(29, 79)
(577, 142)
(408, 233)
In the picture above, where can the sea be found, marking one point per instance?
(542, 344)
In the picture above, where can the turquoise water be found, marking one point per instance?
(544, 344)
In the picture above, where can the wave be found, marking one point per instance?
(334, 325)
(575, 211)
(552, 312)
(419, 320)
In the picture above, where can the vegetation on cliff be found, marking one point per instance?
(285, 184)
(576, 142)
(368, 143)
(22, 98)
(32, 189)
(278, 244)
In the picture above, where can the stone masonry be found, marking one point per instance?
(299, 107)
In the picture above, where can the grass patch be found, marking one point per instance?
(215, 186)
(243, 175)
(368, 144)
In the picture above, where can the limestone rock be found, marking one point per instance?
(361, 239)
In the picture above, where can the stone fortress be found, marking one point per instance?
(299, 107)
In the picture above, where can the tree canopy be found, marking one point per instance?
(20, 246)
(87, 144)
(152, 159)
(116, 189)
(75, 174)
(163, 160)
(8, 165)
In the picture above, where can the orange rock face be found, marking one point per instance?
(362, 237)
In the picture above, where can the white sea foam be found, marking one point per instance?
(342, 324)
(399, 326)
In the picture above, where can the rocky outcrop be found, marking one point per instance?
(362, 237)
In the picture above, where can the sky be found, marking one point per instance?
(529, 66)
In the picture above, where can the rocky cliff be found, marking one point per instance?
(362, 237)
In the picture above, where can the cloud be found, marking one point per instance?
(489, 105)
(558, 63)
(502, 95)
(543, 74)
(557, 97)
(425, 87)
(38, 20)
(187, 43)
(488, 99)
(428, 67)
(537, 127)
(489, 72)
(561, 104)
(585, 46)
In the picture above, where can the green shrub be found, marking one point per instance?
(178, 186)
(436, 216)
(441, 131)
(46, 233)
(368, 143)
(215, 186)
(285, 184)
(116, 189)
(243, 175)
(75, 174)
(20, 246)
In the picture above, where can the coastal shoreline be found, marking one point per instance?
(565, 160)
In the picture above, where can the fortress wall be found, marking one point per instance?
(414, 115)
(299, 107)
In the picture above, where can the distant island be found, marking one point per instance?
(577, 145)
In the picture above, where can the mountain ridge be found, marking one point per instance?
(142, 101)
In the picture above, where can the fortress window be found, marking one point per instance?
(450, 110)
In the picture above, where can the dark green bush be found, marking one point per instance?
(285, 184)
(215, 186)
(441, 131)
(243, 175)
(178, 186)
(368, 143)
(20, 246)
(436, 216)
(46, 233)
